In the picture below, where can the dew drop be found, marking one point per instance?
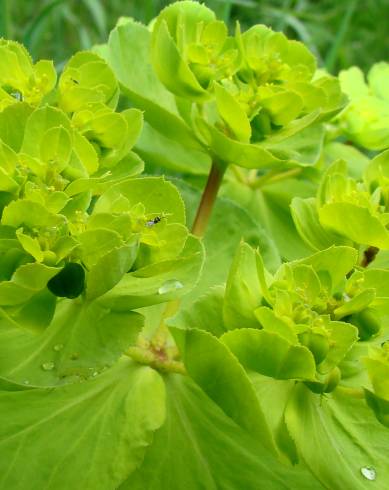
(170, 286)
(95, 373)
(48, 366)
(26, 382)
(58, 347)
(369, 473)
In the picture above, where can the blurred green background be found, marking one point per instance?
(340, 32)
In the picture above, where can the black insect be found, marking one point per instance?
(154, 221)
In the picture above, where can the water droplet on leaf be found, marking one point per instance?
(26, 382)
(58, 347)
(369, 473)
(48, 366)
(170, 286)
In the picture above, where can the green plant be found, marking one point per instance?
(365, 120)
(136, 355)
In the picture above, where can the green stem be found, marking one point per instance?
(149, 358)
(161, 334)
(208, 199)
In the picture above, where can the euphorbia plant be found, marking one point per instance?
(235, 98)
(347, 210)
(257, 383)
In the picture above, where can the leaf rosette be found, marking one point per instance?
(20, 78)
(302, 336)
(250, 88)
(81, 240)
(347, 210)
(306, 322)
(191, 49)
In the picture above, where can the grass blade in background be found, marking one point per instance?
(5, 19)
(332, 56)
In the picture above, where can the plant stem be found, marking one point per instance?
(208, 199)
(148, 358)
(162, 332)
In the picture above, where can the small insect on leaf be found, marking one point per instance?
(153, 221)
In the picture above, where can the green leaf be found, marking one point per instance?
(270, 354)
(80, 341)
(342, 337)
(272, 324)
(378, 370)
(36, 313)
(306, 219)
(56, 147)
(243, 290)
(129, 166)
(159, 282)
(109, 269)
(270, 206)
(233, 114)
(204, 449)
(86, 79)
(353, 82)
(380, 406)
(156, 194)
(74, 428)
(169, 239)
(337, 261)
(230, 151)
(339, 445)
(303, 148)
(283, 107)
(171, 68)
(354, 222)
(213, 367)
(128, 54)
(206, 313)
(171, 154)
(30, 245)
(12, 122)
(356, 160)
(377, 78)
(377, 279)
(355, 304)
(273, 396)
(95, 244)
(27, 280)
(25, 212)
(37, 125)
